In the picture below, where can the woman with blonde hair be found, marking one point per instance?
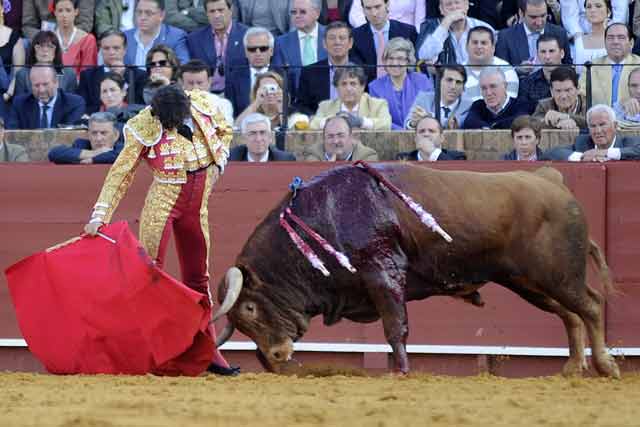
(399, 86)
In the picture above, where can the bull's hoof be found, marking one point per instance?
(575, 368)
(231, 371)
(608, 367)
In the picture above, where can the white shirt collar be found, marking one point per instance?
(613, 143)
(262, 159)
(528, 32)
(313, 33)
(51, 102)
(432, 157)
(136, 36)
(345, 108)
(255, 71)
(502, 107)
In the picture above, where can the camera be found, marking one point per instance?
(270, 89)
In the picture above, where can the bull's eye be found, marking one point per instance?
(249, 309)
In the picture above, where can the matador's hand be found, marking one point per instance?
(92, 228)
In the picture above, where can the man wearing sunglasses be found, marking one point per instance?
(258, 48)
(220, 43)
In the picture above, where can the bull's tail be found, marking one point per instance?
(601, 266)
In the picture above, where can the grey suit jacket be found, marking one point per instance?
(243, 12)
(425, 100)
(13, 153)
(629, 148)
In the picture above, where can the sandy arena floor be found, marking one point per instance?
(338, 400)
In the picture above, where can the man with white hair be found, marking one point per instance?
(258, 48)
(602, 144)
(258, 142)
(496, 109)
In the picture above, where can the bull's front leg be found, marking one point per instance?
(387, 293)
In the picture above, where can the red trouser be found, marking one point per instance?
(182, 208)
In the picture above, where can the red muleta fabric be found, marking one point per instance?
(93, 306)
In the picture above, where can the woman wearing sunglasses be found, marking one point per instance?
(162, 66)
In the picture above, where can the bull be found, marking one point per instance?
(524, 231)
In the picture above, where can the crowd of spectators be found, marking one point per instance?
(330, 65)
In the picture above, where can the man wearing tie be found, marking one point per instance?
(606, 87)
(47, 106)
(301, 47)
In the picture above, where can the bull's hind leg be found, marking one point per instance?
(385, 286)
(577, 362)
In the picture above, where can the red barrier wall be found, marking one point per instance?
(44, 204)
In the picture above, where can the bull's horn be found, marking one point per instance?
(233, 280)
(225, 335)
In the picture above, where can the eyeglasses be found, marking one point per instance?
(220, 66)
(295, 12)
(254, 49)
(161, 63)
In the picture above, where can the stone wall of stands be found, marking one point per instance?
(478, 144)
(43, 204)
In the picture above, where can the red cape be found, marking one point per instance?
(93, 306)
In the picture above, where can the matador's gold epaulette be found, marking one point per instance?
(202, 102)
(145, 128)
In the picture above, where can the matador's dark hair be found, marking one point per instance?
(171, 106)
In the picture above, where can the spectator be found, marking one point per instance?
(113, 45)
(196, 75)
(334, 11)
(605, 81)
(37, 16)
(162, 66)
(113, 98)
(567, 108)
(47, 106)
(269, 14)
(188, 15)
(103, 146)
(576, 22)
(150, 31)
(525, 133)
(454, 106)
(444, 40)
(12, 55)
(496, 110)
(11, 152)
(370, 39)
(303, 46)
(220, 43)
(267, 99)
(509, 13)
(114, 15)
(412, 12)
(481, 50)
(45, 50)
(258, 142)
(429, 139)
(589, 46)
(372, 113)
(258, 47)
(628, 112)
(518, 44)
(79, 48)
(338, 143)
(315, 79)
(537, 85)
(399, 87)
(602, 144)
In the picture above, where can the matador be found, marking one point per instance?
(184, 139)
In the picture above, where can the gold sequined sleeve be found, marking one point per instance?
(224, 134)
(118, 179)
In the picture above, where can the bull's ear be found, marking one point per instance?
(251, 279)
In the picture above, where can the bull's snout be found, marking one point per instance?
(280, 353)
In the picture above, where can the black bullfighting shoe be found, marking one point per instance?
(231, 371)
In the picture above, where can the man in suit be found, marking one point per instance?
(301, 47)
(258, 47)
(370, 39)
(196, 75)
(113, 44)
(525, 133)
(220, 43)
(46, 106)
(602, 144)
(372, 113)
(103, 146)
(607, 83)
(443, 40)
(258, 142)
(316, 79)
(270, 14)
(518, 44)
(188, 15)
(454, 105)
(628, 111)
(429, 139)
(338, 143)
(566, 108)
(496, 110)
(150, 31)
(11, 152)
